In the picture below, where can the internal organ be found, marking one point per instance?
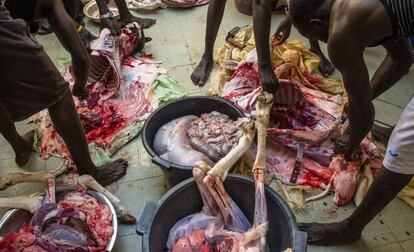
(215, 134)
(189, 139)
(52, 226)
(172, 144)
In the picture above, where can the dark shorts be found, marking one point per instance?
(29, 81)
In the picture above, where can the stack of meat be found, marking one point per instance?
(75, 223)
(302, 115)
(189, 139)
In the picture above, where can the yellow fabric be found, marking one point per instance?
(307, 60)
(244, 39)
(292, 60)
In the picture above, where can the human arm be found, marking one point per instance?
(109, 23)
(395, 65)
(347, 56)
(282, 32)
(262, 16)
(65, 31)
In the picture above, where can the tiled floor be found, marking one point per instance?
(178, 41)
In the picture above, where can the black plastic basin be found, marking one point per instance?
(184, 199)
(194, 105)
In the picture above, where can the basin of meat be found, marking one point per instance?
(17, 220)
(184, 199)
(208, 126)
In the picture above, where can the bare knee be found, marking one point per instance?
(244, 6)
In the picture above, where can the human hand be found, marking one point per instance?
(112, 25)
(268, 79)
(342, 146)
(282, 32)
(79, 90)
(87, 37)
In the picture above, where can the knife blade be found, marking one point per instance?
(298, 162)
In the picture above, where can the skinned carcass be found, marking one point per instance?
(303, 115)
(221, 226)
(122, 94)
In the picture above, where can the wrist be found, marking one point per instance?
(80, 28)
(107, 15)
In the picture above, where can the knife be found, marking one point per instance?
(298, 162)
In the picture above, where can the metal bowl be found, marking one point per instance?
(15, 218)
(91, 10)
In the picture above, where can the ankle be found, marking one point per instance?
(351, 226)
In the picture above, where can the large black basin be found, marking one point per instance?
(184, 199)
(194, 105)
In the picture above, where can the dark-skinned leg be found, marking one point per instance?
(67, 124)
(214, 16)
(127, 17)
(382, 134)
(22, 146)
(326, 68)
(384, 189)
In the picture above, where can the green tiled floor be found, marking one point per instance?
(178, 39)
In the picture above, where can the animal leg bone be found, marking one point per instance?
(263, 106)
(221, 169)
(200, 170)
(234, 219)
(20, 177)
(87, 181)
(31, 204)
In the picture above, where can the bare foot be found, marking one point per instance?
(381, 134)
(143, 22)
(329, 233)
(202, 72)
(109, 173)
(326, 68)
(25, 149)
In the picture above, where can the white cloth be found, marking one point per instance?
(400, 152)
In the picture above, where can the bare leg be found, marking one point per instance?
(214, 17)
(382, 134)
(22, 146)
(384, 188)
(127, 17)
(325, 67)
(67, 124)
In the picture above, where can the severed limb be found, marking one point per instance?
(234, 219)
(20, 177)
(263, 106)
(31, 204)
(87, 181)
(200, 170)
